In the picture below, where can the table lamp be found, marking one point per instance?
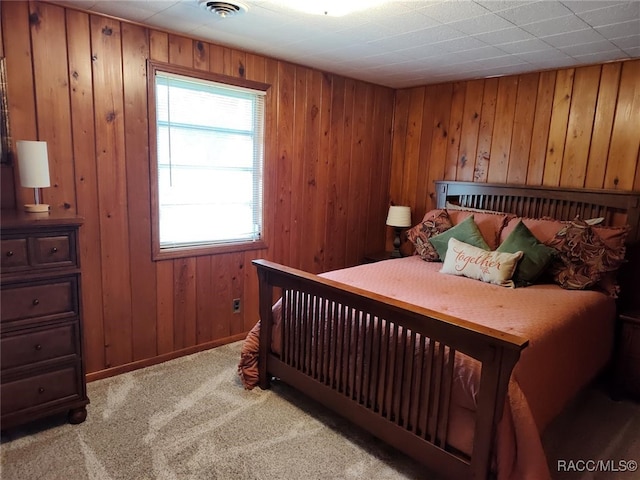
(399, 217)
(33, 165)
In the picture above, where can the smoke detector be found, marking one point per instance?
(223, 9)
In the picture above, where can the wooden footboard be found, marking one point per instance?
(384, 364)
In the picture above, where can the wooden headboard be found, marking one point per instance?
(617, 208)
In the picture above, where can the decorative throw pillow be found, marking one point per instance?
(536, 258)
(466, 231)
(473, 262)
(584, 257)
(489, 224)
(435, 222)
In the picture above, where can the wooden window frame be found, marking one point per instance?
(191, 250)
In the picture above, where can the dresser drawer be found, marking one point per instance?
(36, 346)
(50, 251)
(39, 389)
(14, 254)
(30, 301)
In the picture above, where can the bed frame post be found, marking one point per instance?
(265, 290)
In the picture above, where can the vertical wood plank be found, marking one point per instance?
(579, 130)
(84, 161)
(541, 122)
(204, 299)
(336, 210)
(412, 145)
(299, 217)
(421, 199)
(184, 306)
(135, 52)
(522, 128)
(400, 125)
(455, 130)
(180, 51)
(625, 137)
(52, 98)
(470, 129)
(312, 239)
(502, 130)
(165, 306)
(110, 149)
(159, 46)
(286, 102)
(20, 83)
(357, 172)
(485, 133)
(439, 137)
(201, 55)
(603, 124)
(558, 127)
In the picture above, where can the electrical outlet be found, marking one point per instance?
(236, 305)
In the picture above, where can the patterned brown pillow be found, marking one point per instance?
(433, 223)
(584, 258)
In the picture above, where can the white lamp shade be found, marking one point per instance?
(399, 216)
(33, 163)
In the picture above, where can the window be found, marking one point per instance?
(207, 170)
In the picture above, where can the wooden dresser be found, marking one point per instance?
(42, 371)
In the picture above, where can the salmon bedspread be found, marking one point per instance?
(570, 336)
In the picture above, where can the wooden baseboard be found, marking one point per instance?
(147, 362)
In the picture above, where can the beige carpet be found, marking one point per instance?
(191, 419)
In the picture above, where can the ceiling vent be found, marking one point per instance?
(223, 9)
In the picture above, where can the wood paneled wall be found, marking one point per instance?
(78, 81)
(577, 127)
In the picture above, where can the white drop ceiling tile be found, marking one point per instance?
(580, 6)
(171, 23)
(632, 41)
(568, 23)
(506, 61)
(534, 12)
(497, 5)
(405, 23)
(547, 63)
(601, 56)
(482, 53)
(617, 30)
(460, 44)
(447, 12)
(612, 14)
(439, 33)
(633, 52)
(481, 24)
(586, 48)
(524, 46)
(548, 54)
(507, 35)
(130, 11)
(573, 38)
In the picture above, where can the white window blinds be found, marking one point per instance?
(210, 161)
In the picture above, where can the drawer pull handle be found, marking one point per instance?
(38, 347)
(10, 253)
(54, 249)
(36, 301)
(40, 390)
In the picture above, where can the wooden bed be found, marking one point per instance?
(392, 411)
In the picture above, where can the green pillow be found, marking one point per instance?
(466, 231)
(536, 255)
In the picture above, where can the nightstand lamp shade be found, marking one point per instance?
(399, 217)
(33, 165)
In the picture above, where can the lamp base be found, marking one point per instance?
(36, 207)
